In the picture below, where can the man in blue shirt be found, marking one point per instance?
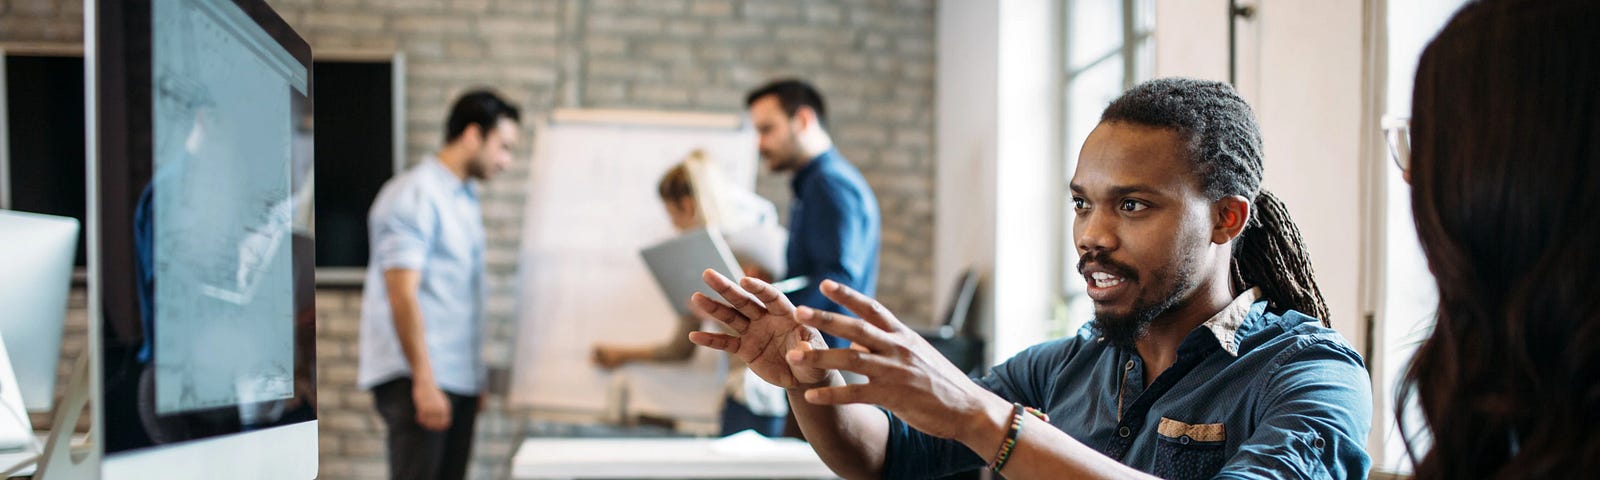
(833, 217)
(422, 307)
(1205, 358)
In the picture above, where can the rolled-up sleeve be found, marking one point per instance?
(1318, 409)
(402, 226)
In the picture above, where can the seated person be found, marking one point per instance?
(1505, 185)
(749, 223)
(1206, 357)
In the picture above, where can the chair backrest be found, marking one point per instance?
(955, 314)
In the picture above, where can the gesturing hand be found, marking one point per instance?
(764, 326)
(904, 373)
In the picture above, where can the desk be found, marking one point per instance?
(9, 458)
(576, 458)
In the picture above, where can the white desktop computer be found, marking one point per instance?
(38, 254)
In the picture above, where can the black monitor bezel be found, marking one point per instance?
(124, 164)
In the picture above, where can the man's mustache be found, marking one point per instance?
(1107, 264)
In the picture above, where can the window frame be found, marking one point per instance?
(1136, 49)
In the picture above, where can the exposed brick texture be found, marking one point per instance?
(873, 59)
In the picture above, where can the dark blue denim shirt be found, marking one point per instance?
(1251, 395)
(833, 231)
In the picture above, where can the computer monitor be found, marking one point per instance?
(202, 265)
(38, 255)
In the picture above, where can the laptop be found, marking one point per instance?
(678, 262)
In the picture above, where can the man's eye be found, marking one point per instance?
(1079, 203)
(1133, 206)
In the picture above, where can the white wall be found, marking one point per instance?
(999, 162)
(1028, 213)
(1302, 71)
(1191, 39)
(1311, 83)
(965, 148)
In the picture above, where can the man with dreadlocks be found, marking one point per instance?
(1206, 357)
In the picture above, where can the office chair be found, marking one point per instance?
(950, 337)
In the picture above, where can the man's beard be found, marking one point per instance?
(1127, 329)
(478, 170)
(787, 159)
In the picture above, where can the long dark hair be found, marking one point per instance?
(1225, 148)
(1505, 191)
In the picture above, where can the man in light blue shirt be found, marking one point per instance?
(422, 308)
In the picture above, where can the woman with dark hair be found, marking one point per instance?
(1505, 178)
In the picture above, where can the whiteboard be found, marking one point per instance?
(591, 206)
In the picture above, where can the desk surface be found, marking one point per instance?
(733, 457)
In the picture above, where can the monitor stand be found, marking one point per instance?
(61, 460)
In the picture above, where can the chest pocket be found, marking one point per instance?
(1189, 451)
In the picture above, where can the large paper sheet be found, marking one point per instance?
(591, 207)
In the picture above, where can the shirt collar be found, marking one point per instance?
(1225, 324)
(811, 169)
(442, 176)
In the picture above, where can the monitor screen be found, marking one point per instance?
(206, 228)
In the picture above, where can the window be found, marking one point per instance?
(1108, 50)
(42, 162)
(1409, 298)
(356, 150)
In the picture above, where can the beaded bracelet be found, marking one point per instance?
(1017, 409)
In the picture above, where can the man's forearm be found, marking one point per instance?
(408, 324)
(408, 329)
(851, 439)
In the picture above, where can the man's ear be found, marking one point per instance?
(805, 118)
(472, 136)
(1230, 214)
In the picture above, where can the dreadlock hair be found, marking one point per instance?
(1225, 149)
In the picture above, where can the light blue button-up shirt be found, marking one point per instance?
(427, 219)
(1253, 395)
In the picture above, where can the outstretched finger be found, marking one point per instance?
(776, 303)
(847, 359)
(848, 328)
(726, 343)
(841, 395)
(723, 313)
(861, 305)
(734, 294)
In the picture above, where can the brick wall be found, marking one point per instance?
(873, 59)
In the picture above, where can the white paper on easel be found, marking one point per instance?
(591, 207)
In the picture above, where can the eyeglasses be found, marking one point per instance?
(1397, 131)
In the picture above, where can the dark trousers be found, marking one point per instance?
(737, 418)
(416, 453)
